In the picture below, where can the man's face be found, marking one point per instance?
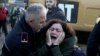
(37, 23)
(50, 3)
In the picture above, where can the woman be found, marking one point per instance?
(60, 38)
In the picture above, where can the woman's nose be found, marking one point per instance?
(54, 31)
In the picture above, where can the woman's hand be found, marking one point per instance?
(48, 38)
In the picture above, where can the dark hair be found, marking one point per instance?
(66, 28)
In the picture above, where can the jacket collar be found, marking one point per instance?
(25, 26)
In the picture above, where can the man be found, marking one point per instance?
(21, 11)
(3, 15)
(24, 40)
(13, 14)
(93, 45)
(54, 11)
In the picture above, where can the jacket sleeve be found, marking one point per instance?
(43, 51)
(94, 41)
(65, 48)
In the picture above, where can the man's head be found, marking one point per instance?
(36, 16)
(51, 3)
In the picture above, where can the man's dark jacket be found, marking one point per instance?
(57, 13)
(93, 46)
(13, 45)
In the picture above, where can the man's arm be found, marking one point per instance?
(94, 41)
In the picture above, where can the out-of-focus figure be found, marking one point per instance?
(3, 15)
(13, 14)
(20, 13)
(54, 11)
(93, 45)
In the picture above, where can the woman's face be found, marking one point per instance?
(55, 30)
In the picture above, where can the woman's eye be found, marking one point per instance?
(58, 30)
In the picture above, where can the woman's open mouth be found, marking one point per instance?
(53, 37)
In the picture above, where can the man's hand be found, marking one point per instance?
(48, 38)
(59, 39)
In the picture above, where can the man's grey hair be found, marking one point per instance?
(34, 10)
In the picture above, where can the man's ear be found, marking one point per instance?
(30, 19)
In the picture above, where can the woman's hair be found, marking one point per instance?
(69, 31)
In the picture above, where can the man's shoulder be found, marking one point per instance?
(97, 25)
(58, 9)
(14, 35)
